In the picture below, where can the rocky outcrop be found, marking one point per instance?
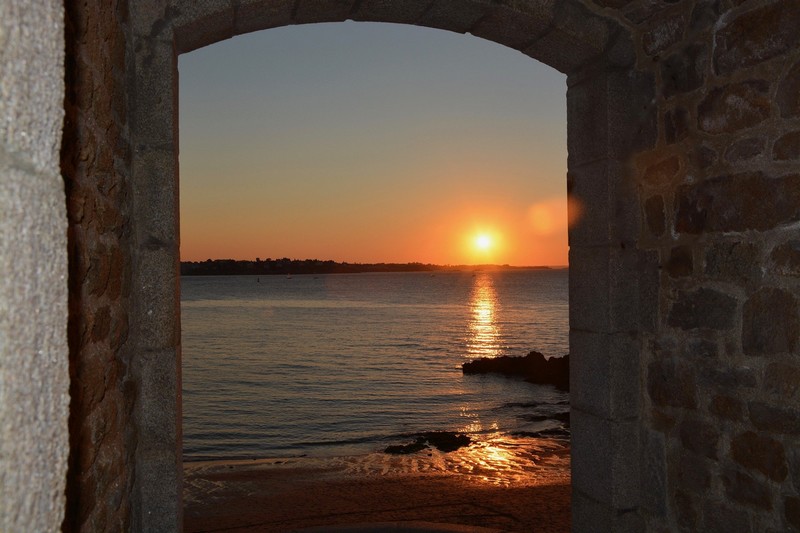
(444, 441)
(534, 368)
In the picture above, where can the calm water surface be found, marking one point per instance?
(349, 363)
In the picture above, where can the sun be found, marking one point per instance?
(483, 242)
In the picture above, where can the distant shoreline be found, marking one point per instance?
(286, 266)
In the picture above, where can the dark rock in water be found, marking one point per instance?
(445, 441)
(533, 367)
(405, 449)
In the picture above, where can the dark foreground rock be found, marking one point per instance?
(445, 441)
(533, 367)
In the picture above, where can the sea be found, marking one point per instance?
(346, 364)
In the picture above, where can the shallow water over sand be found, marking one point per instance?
(337, 365)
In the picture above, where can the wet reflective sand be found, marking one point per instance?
(511, 485)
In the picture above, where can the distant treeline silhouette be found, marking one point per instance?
(285, 266)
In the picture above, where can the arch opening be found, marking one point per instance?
(609, 117)
(478, 158)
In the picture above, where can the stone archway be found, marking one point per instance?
(610, 117)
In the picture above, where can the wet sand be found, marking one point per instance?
(522, 486)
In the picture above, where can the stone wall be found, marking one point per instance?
(684, 133)
(721, 209)
(33, 284)
(95, 162)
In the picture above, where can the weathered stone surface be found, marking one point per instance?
(745, 149)
(761, 453)
(694, 473)
(308, 11)
(705, 14)
(762, 334)
(663, 172)
(737, 203)
(252, 15)
(787, 258)
(654, 473)
(676, 125)
(702, 308)
(454, 15)
(727, 407)
(680, 263)
(95, 163)
(685, 510)
(724, 379)
(704, 157)
(700, 437)
(388, 11)
(684, 71)
(783, 380)
(745, 489)
(791, 511)
(756, 36)
(734, 260)
(788, 96)
(698, 348)
(734, 107)
(775, 419)
(665, 33)
(672, 383)
(720, 518)
(613, 3)
(787, 147)
(510, 27)
(654, 215)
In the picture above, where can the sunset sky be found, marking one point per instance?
(367, 142)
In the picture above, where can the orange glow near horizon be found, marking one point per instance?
(532, 236)
(306, 142)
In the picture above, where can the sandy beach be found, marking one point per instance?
(522, 486)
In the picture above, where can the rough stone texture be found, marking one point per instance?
(34, 378)
(663, 35)
(756, 36)
(727, 407)
(748, 201)
(672, 383)
(788, 96)
(703, 308)
(745, 149)
(783, 381)
(761, 333)
(735, 107)
(684, 71)
(676, 125)
(654, 215)
(760, 453)
(720, 518)
(786, 258)
(712, 84)
(787, 148)
(95, 165)
(734, 260)
(699, 437)
(680, 262)
(745, 489)
(780, 420)
(792, 511)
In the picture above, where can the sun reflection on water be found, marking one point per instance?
(484, 335)
(494, 459)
